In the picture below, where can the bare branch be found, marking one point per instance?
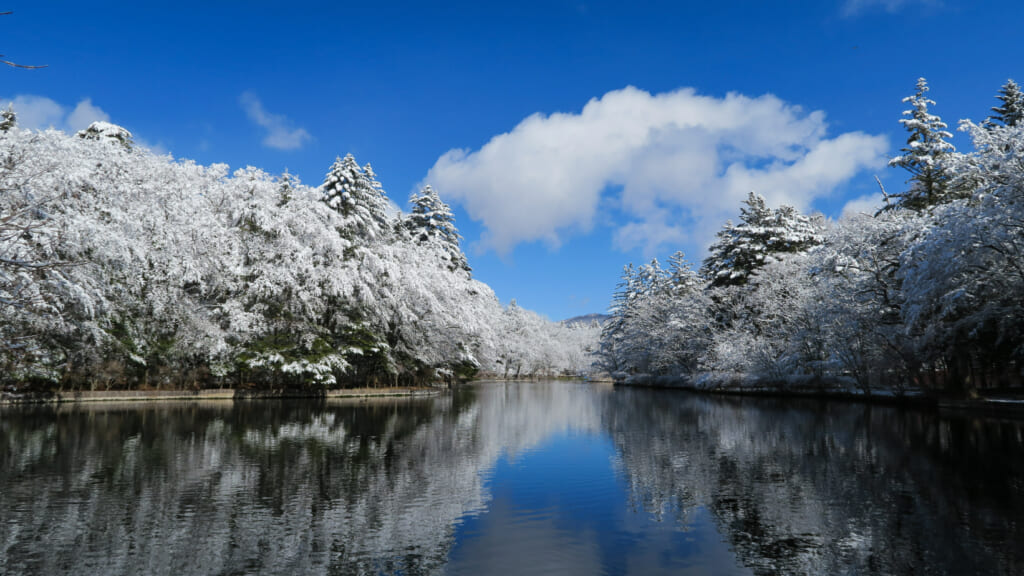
(15, 64)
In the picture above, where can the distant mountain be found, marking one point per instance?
(586, 319)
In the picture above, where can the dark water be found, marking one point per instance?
(557, 478)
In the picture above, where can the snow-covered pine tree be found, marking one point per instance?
(681, 276)
(923, 155)
(794, 231)
(1011, 112)
(8, 119)
(736, 254)
(355, 193)
(614, 337)
(431, 222)
(624, 349)
(286, 188)
(684, 332)
(762, 232)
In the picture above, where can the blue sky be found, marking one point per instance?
(553, 195)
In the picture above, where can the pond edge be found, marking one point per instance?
(82, 396)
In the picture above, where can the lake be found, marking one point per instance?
(510, 478)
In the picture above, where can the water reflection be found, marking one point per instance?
(571, 477)
(262, 487)
(204, 489)
(830, 488)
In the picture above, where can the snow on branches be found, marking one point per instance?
(923, 155)
(761, 236)
(120, 268)
(355, 194)
(431, 221)
(927, 296)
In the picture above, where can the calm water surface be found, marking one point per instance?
(555, 478)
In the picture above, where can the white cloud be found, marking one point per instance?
(40, 113)
(680, 163)
(279, 133)
(36, 112)
(85, 114)
(856, 7)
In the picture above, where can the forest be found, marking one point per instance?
(121, 269)
(925, 295)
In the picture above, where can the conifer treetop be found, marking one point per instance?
(355, 193)
(923, 155)
(1011, 111)
(431, 222)
(761, 236)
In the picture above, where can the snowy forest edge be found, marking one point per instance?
(926, 295)
(123, 269)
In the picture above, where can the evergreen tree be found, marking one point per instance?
(8, 119)
(923, 155)
(286, 188)
(681, 276)
(794, 232)
(1011, 112)
(431, 221)
(762, 233)
(355, 193)
(658, 324)
(612, 353)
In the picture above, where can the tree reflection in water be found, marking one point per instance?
(384, 485)
(806, 487)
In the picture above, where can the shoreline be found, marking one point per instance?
(991, 406)
(140, 396)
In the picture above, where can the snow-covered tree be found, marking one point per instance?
(928, 297)
(286, 306)
(8, 118)
(105, 131)
(761, 340)
(623, 351)
(963, 280)
(286, 187)
(1010, 112)
(121, 268)
(31, 276)
(923, 156)
(431, 222)
(761, 236)
(615, 339)
(355, 193)
(682, 321)
(660, 323)
(861, 297)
